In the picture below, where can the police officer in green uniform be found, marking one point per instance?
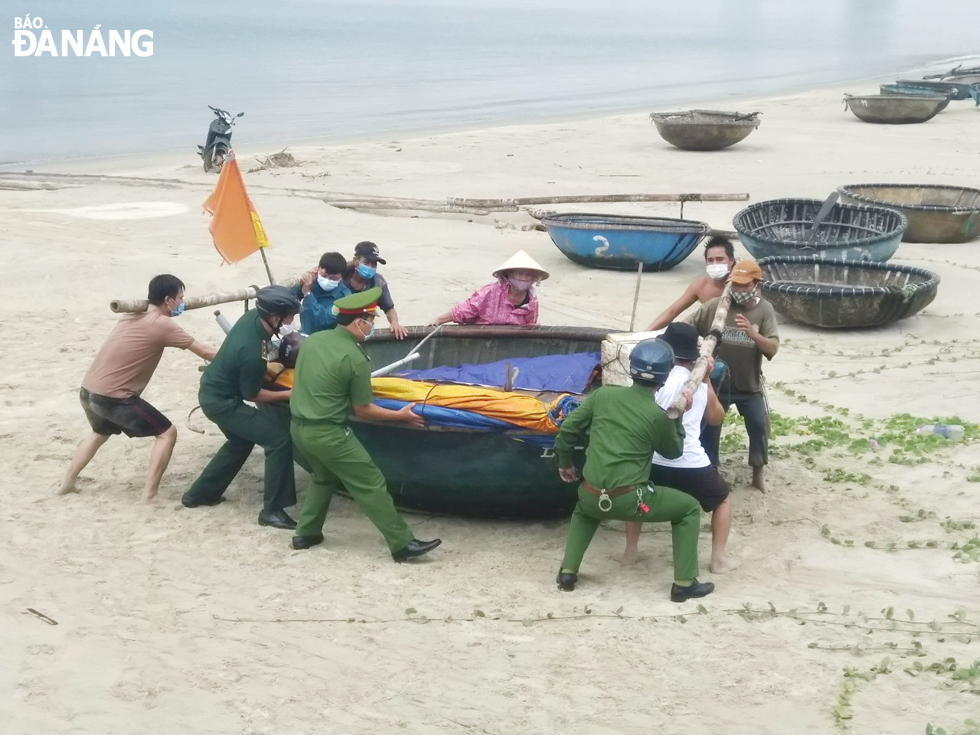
(233, 377)
(624, 426)
(333, 379)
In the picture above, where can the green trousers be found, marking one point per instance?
(340, 461)
(664, 503)
(244, 427)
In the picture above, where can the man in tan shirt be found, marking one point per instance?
(110, 392)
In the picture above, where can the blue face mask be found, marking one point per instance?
(365, 271)
(179, 310)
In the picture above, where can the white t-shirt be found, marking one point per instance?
(694, 454)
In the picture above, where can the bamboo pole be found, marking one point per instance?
(137, 306)
(636, 294)
(513, 204)
(707, 348)
(486, 206)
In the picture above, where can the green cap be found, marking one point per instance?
(358, 303)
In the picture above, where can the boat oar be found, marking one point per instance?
(413, 354)
(707, 348)
(821, 216)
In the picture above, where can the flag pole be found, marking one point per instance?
(265, 262)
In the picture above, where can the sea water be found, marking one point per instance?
(305, 69)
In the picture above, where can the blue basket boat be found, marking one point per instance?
(622, 242)
(781, 227)
(952, 89)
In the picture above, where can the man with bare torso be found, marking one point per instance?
(719, 258)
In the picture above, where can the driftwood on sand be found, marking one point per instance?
(486, 206)
(707, 348)
(137, 306)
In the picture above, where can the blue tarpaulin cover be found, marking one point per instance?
(559, 373)
(457, 418)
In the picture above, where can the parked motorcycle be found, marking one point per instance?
(218, 143)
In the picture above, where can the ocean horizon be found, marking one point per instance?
(307, 69)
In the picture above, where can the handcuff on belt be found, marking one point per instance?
(605, 502)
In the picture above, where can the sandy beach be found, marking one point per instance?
(199, 621)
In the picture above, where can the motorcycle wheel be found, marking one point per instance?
(218, 154)
(208, 156)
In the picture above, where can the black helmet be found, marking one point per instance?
(276, 301)
(289, 348)
(651, 361)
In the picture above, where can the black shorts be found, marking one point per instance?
(704, 484)
(132, 416)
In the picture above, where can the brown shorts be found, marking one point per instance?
(131, 416)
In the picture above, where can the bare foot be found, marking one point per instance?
(757, 480)
(629, 557)
(151, 500)
(721, 565)
(68, 486)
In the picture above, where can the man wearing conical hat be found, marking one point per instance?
(508, 300)
(333, 380)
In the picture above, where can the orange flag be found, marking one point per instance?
(235, 225)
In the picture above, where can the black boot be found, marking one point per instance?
(276, 519)
(305, 542)
(189, 503)
(415, 548)
(566, 581)
(695, 589)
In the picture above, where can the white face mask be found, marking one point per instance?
(717, 271)
(327, 284)
(285, 329)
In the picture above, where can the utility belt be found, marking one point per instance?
(318, 422)
(607, 494)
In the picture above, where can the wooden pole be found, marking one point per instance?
(513, 204)
(137, 306)
(707, 348)
(636, 294)
(486, 206)
(265, 262)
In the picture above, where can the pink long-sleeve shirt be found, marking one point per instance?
(492, 305)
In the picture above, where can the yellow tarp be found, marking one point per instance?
(514, 408)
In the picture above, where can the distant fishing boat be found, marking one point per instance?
(900, 90)
(704, 130)
(894, 109)
(957, 90)
(957, 71)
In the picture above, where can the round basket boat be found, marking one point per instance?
(935, 213)
(780, 227)
(622, 242)
(953, 90)
(843, 294)
(704, 130)
(895, 109)
(893, 90)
